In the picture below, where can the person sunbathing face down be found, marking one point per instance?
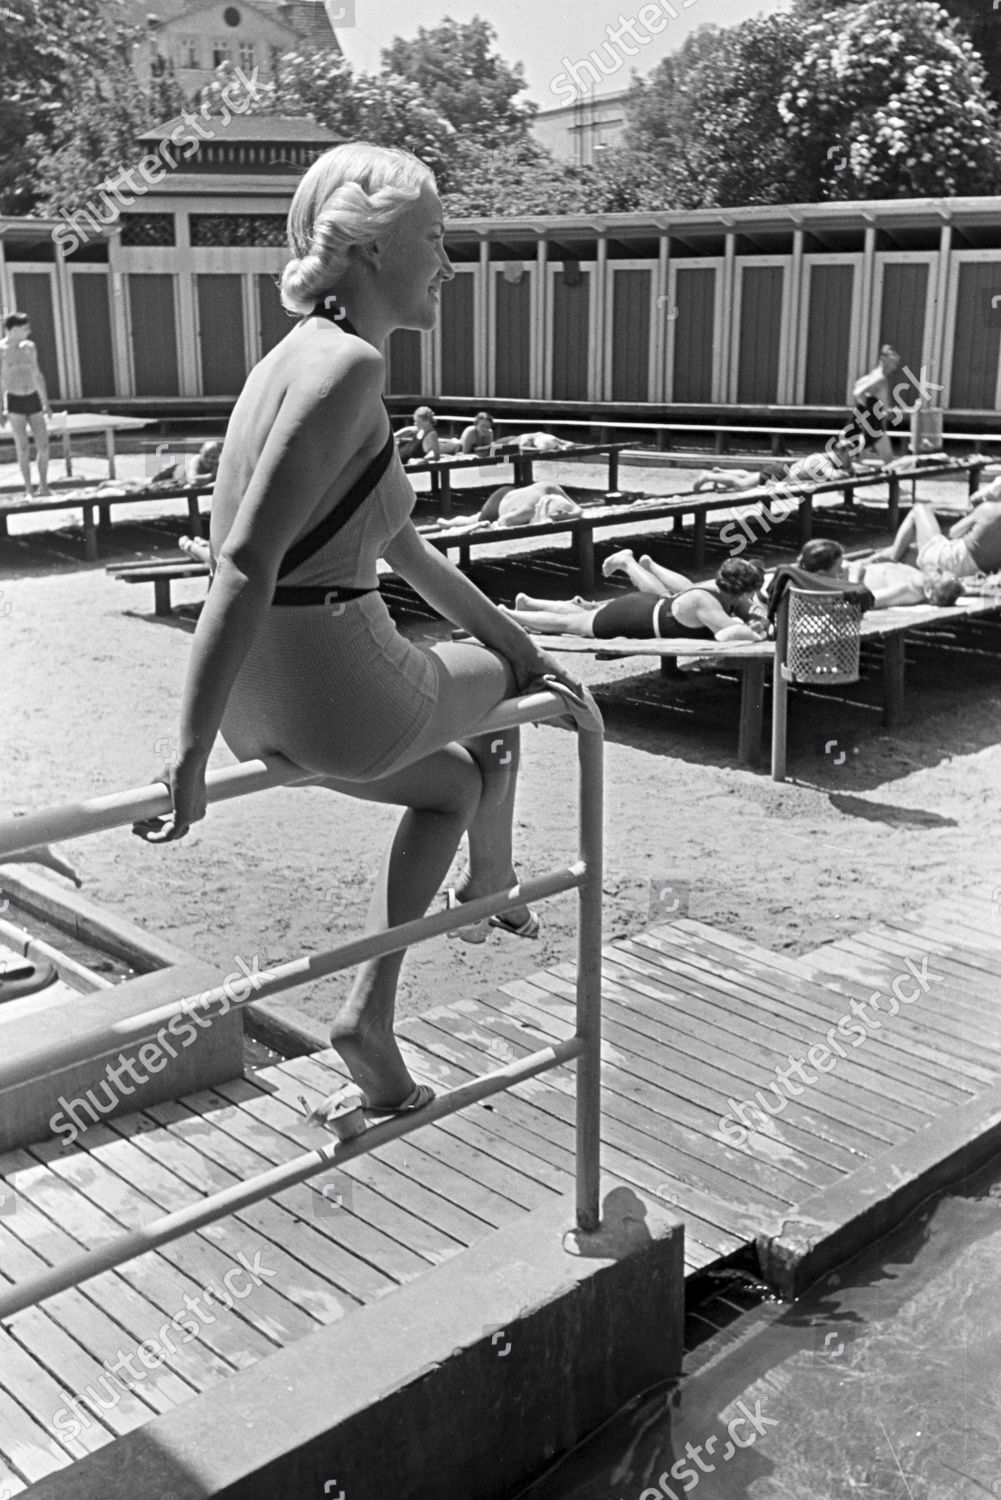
(719, 610)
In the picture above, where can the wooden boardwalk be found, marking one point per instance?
(696, 1023)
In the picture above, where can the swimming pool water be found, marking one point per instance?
(882, 1383)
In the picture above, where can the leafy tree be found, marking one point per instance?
(890, 101)
(463, 79)
(70, 102)
(978, 19)
(519, 178)
(49, 51)
(707, 118)
(388, 111)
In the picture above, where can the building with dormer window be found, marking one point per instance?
(199, 38)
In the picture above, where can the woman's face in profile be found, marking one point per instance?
(413, 263)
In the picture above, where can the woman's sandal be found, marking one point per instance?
(528, 929)
(344, 1110)
(477, 932)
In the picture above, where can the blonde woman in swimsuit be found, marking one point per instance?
(295, 652)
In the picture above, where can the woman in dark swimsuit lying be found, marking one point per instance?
(701, 611)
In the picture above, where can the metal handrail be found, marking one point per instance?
(584, 876)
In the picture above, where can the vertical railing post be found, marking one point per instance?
(589, 898)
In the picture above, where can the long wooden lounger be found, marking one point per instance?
(755, 659)
(676, 508)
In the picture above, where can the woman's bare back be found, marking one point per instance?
(309, 360)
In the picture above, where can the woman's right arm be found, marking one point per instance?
(321, 425)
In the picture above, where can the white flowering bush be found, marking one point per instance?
(890, 100)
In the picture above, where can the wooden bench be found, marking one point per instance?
(161, 576)
(522, 465)
(754, 660)
(100, 502)
(676, 508)
(63, 425)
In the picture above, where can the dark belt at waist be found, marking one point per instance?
(288, 596)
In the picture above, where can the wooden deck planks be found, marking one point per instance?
(695, 1020)
(926, 1068)
(701, 1080)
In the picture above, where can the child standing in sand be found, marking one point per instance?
(25, 398)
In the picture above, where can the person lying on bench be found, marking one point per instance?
(479, 437)
(198, 469)
(649, 577)
(820, 567)
(884, 583)
(526, 505)
(421, 439)
(694, 611)
(816, 468)
(534, 442)
(972, 546)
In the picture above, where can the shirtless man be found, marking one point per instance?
(25, 398)
(866, 428)
(972, 546)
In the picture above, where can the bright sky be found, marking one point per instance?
(539, 34)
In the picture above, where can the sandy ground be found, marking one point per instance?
(89, 692)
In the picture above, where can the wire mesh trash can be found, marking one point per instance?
(824, 638)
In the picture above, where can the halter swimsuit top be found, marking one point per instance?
(330, 524)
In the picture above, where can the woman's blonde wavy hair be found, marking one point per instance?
(350, 196)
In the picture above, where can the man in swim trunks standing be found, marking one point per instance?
(25, 398)
(867, 426)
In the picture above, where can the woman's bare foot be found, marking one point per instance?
(195, 548)
(372, 1057)
(617, 562)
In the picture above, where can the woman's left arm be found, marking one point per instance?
(452, 594)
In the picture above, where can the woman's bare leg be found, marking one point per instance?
(643, 575)
(919, 526)
(552, 622)
(463, 787)
(524, 603)
(441, 794)
(672, 582)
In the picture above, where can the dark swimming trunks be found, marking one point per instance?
(643, 617)
(26, 406)
(866, 425)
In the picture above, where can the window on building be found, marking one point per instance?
(248, 56)
(147, 229)
(189, 52)
(231, 16)
(217, 231)
(220, 53)
(276, 57)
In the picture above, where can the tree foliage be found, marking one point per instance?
(890, 101)
(70, 102)
(463, 79)
(875, 99)
(322, 85)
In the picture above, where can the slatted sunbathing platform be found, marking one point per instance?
(696, 1021)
